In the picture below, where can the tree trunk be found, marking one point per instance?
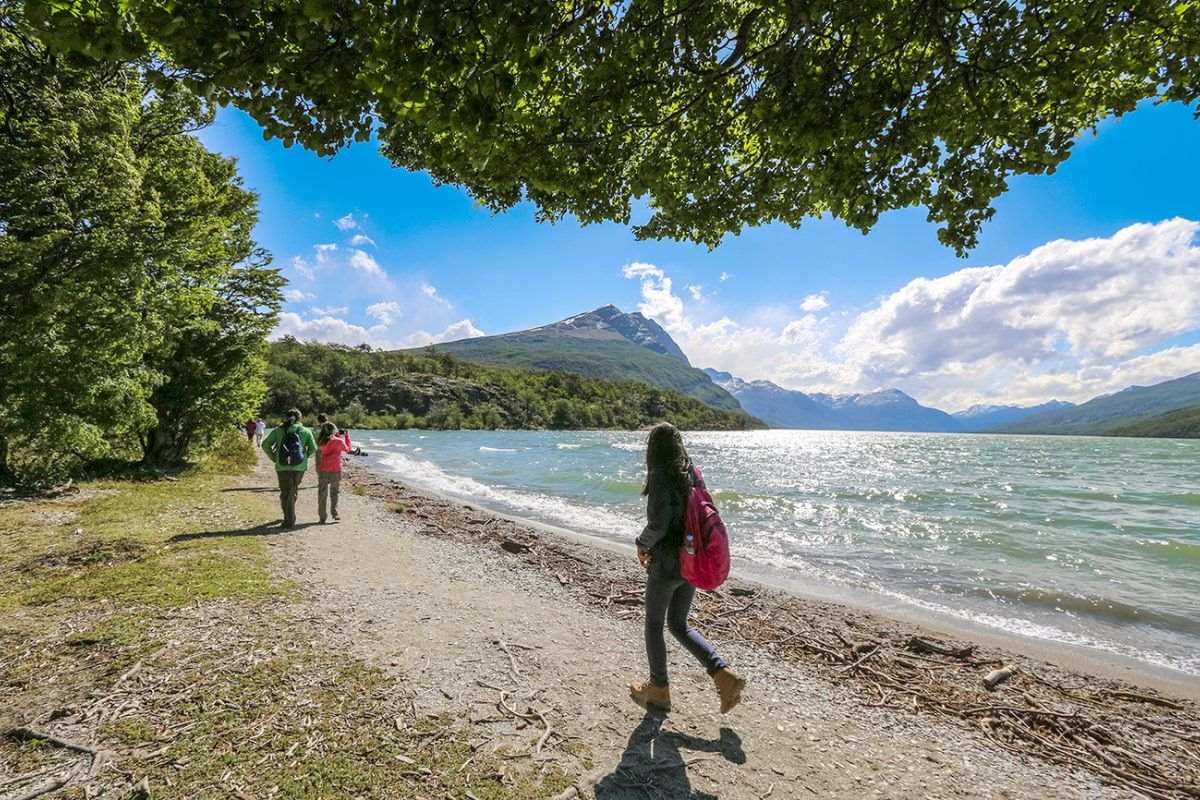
(162, 447)
(6, 476)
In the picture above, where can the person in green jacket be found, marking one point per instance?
(290, 446)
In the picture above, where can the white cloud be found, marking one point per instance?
(346, 223)
(696, 291)
(463, 329)
(303, 268)
(815, 302)
(725, 276)
(321, 329)
(330, 311)
(360, 239)
(387, 312)
(1065, 305)
(324, 252)
(658, 298)
(363, 262)
(293, 295)
(431, 292)
(1070, 319)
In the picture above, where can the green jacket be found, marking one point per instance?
(271, 444)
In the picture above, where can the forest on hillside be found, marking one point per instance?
(366, 388)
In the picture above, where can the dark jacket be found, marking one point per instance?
(663, 534)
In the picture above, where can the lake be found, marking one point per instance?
(1087, 541)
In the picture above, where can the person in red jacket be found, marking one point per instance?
(331, 446)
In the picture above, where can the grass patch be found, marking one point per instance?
(232, 691)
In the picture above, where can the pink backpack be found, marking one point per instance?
(704, 556)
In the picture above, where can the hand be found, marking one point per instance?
(643, 554)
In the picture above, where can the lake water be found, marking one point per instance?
(1087, 541)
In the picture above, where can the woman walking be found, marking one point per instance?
(331, 446)
(669, 480)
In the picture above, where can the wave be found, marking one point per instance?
(533, 505)
(629, 446)
(565, 446)
(486, 449)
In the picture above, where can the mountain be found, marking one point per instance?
(776, 406)
(371, 389)
(605, 343)
(1107, 412)
(985, 417)
(886, 410)
(1181, 424)
(608, 320)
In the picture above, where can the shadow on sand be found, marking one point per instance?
(266, 529)
(652, 764)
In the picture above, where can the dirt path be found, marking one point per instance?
(479, 640)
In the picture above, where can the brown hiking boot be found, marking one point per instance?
(730, 686)
(649, 696)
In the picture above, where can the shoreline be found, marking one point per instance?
(1128, 728)
(1073, 657)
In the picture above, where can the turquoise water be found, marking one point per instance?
(1088, 541)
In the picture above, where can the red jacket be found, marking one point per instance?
(330, 459)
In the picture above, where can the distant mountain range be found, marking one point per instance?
(1113, 412)
(988, 417)
(884, 410)
(605, 343)
(608, 343)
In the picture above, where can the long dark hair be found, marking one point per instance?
(665, 455)
(327, 432)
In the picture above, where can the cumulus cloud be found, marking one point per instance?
(362, 261)
(463, 329)
(330, 311)
(293, 295)
(696, 291)
(725, 276)
(1070, 319)
(346, 223)
(360, 239)
(815, 302)
(320, 329)
(386, 312)
(324, 252)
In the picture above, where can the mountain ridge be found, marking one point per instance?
(1106, 412)
(602, 343)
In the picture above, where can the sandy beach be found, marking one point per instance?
(479, 611)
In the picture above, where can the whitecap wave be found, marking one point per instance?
(565, 446)
(532, 505)
(486, 449)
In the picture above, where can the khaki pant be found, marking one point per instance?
(289, 488)
(328, 484)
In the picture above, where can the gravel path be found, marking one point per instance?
(466, 628)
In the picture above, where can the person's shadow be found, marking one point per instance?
(653, 765)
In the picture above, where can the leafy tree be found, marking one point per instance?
(72, 221)
(723, 113)
(136, 304)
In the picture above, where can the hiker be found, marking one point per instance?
(290, 446)
(332, 444)
(250, 426)
(669, 480)
(260, 430)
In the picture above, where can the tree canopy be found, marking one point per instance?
(720, 113)
(136, 304)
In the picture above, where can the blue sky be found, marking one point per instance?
(821, 308)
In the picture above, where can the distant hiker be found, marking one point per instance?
(260, 430)
(332, 444)
(669, 480)
(290, 446)
(250, 427)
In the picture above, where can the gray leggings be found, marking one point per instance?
(668, 599)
